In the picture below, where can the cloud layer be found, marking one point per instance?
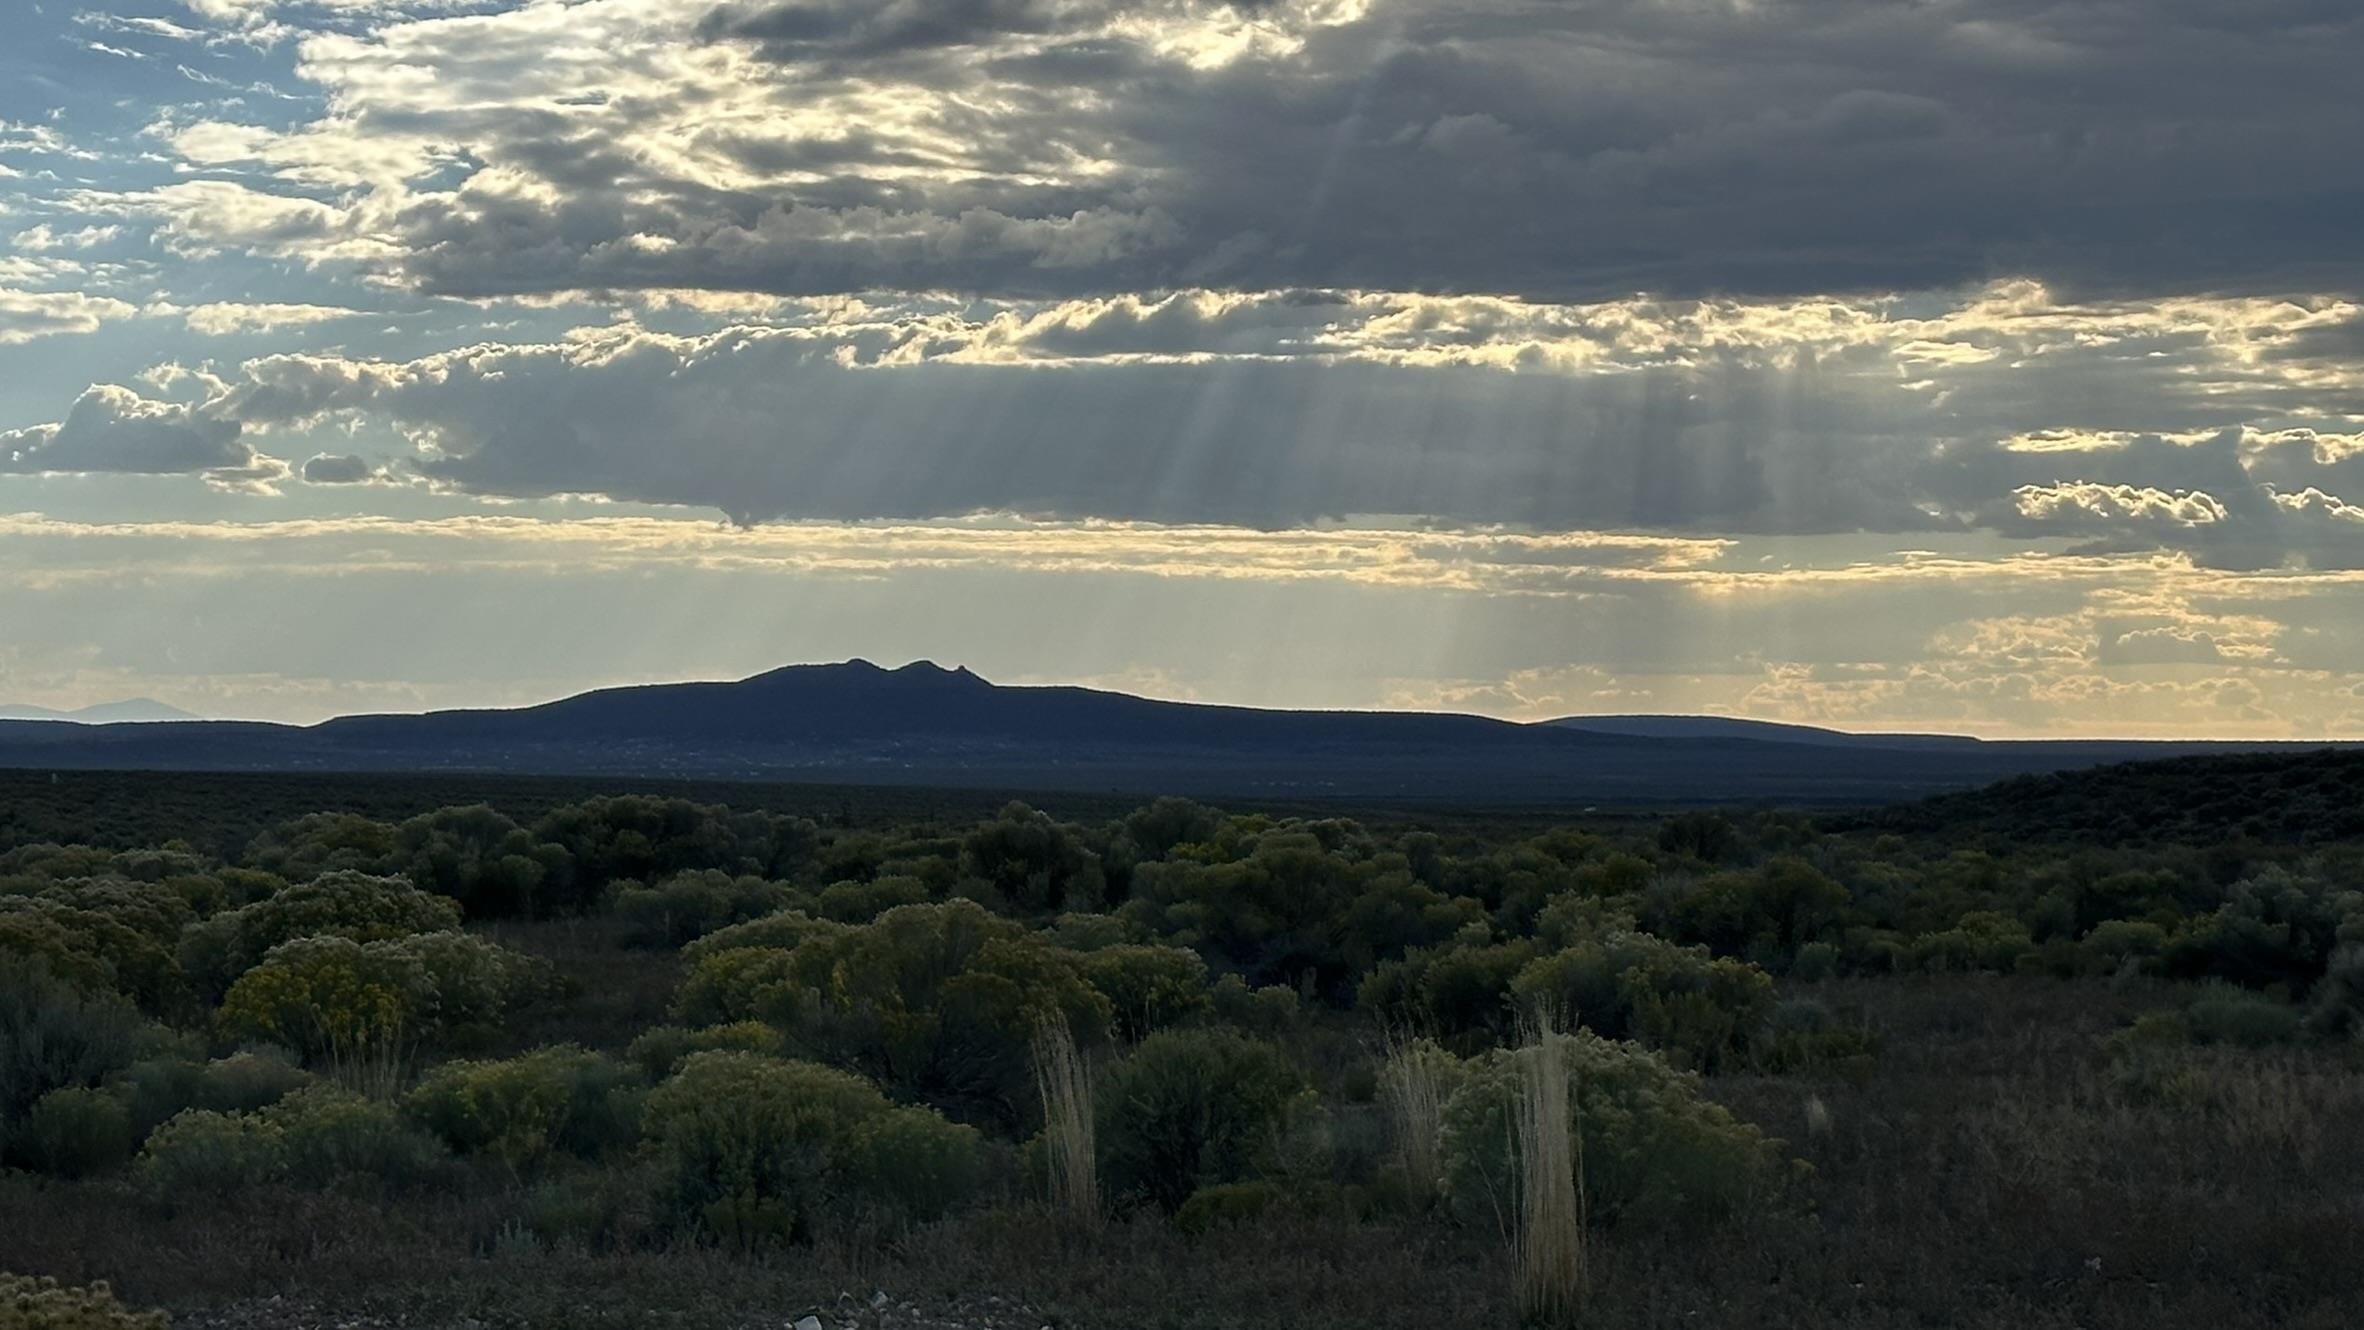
(2208, 426)
(1562, 151)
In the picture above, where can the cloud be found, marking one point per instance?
(1568, 152)
(2076, 505)
(113, 429)
(2000, 408)
(336, 469)
(1398, 559)
(224, 318)
(25, 315)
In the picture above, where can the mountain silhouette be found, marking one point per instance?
(923, 724)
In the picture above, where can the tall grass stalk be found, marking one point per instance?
(1552, 1274)
(1066, 1088)
(1412, 1092)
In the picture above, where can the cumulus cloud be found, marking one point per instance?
(339, 469)
(2074, 505)
(113, 429)
(1573, 151)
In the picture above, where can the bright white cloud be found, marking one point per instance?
(25, 315)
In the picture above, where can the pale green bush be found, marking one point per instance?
(1652, 1150)
(202, 1153)
(861, 902)
(760, 1149)
(351, 905)
(1628, 985)
(1149, 988)
(27, 1303)
(330, 1136)
(520, 1111)
(362, 1008)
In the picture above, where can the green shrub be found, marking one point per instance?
(861, 902)
(778, 931)
(98, 940)
(338, 904)
(660, 1050)
(155, 1089)
(1980, 940)
(1459, 993)
(330, 1135)
(2336, 1008)
(1806, 1034)
(1148, 988)
(908, 1165)
(55, 1036)
(1706, 1010)
(27, 1303)
(1226, 1205)
(2223, 1014)
(939, 1002)
(75, 1133)
(201, 1153)
(595, 1209)
(479, 857)
(1652, 1151)
(250, 1079)
(1815, 962)
(354, 1007)
(1089, 932)
(687, 906)
(759, 1150)
(361, 1008)
(2114, 943)
(1192, 1108)
(1033, 862)
(1268, 1012)
(523, 1110)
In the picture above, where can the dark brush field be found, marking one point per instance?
(2078, 1050)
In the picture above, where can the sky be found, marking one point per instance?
(1989, 366)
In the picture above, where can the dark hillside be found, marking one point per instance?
(2305, 797)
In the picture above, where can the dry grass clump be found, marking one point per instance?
(1066, 1088)
(1552, 1278)
(1412, 1091)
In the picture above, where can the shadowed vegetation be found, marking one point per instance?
(1182, 1065)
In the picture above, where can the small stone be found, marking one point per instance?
(807, 1323)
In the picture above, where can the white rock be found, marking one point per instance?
(807, 1323)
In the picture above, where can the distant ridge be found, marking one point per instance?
(139, 710)
(1737, 727)
(924, 724)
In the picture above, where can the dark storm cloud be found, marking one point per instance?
(1556, 150)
